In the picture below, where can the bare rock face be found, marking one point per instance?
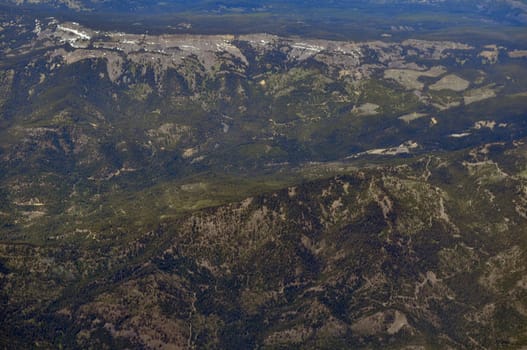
(165, 52)
(213, 52)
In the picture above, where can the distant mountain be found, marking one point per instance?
(93, 114)
(512, 10)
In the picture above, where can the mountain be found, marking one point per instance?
(106, 119)
(177, 188)
(428, 254)
(435, 11)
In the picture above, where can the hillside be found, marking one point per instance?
(430, 254)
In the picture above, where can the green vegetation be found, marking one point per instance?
(262, 192)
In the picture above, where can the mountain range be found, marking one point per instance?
(187, 188)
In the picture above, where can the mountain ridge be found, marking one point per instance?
(376, 257)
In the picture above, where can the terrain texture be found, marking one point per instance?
(260, 191)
